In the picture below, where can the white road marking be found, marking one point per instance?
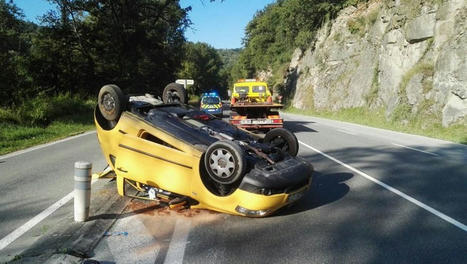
(178, 242)
(8, 239)
(16, 153)
(33, 221)
(393, 190)
(419, 150)
(347, 132)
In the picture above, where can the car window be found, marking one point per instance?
(211, 100)
(241, 89)
(259, 89)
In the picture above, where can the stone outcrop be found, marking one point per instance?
(389, 54)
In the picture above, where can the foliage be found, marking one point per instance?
(43, 119)
(84, 44)
(360, 24)
(278, 29)
(229, 59)
(203, 64)
(42, 110)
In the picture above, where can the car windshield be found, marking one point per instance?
(241, 89)
(211, 100)
(259, 89)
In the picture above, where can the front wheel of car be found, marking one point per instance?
(283, 139)
(225, 162)
(111, 102)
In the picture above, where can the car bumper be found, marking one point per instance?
(213, 111)
(266, 189)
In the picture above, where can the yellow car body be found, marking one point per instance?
(139, 151)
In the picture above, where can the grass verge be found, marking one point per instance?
(376, 118)
(16, 137)
(44, 120)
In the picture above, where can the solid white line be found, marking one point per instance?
(346, 132)
(16, 153)
(419, 150)
(8, 239)
(178, 242)
(391, 189)
(34, 221)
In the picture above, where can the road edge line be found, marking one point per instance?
(23, 151)
(11, 237)
(393, 190)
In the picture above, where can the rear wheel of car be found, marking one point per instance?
(111, 102)
(283, 139)
(174, 93)
(225, 162)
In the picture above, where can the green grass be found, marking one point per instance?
(43, 120)
(376, 118)
(15, 137)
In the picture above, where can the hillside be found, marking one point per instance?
(401, 61)
(406, 57)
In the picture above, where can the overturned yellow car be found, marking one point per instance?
(175, 153)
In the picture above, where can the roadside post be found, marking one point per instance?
(82, 192)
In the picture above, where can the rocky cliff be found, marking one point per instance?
(407, 57)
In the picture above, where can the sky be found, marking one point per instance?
(221, 24)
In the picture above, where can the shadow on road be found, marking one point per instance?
(298, 126)
(326, 189)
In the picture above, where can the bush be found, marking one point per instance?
(42, 110)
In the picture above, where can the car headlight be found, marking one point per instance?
(252, 213)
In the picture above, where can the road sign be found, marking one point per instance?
(185, 82)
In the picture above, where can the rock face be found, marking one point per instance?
(391, 54)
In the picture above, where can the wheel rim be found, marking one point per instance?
(108, 102)
(280, 142)
(222, 163)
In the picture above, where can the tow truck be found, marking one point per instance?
(252, 106)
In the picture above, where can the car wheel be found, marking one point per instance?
(111, 102)
(282, 139)
(225, 161)
(174, 93)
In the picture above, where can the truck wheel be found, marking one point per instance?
(174, 93)
(282, 139)
(111, 102)
(225, 161)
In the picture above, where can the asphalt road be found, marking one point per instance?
(33, 180)
(393, 198)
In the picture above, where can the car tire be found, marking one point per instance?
(225, 162)
(283, 139)
(111, 102)
(174, 93)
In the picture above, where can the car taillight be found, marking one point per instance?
(235, 122)
(201, 117)
(277, 121)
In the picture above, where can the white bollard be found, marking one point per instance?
(82, 193)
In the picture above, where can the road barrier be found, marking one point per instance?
(82, 193)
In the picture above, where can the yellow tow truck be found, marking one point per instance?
(252, 106)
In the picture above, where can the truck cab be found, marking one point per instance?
(252, 91)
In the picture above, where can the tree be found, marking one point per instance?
(203, 64)
(13, 53)
(87, 43)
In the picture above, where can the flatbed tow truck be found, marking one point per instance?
(252, 106)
